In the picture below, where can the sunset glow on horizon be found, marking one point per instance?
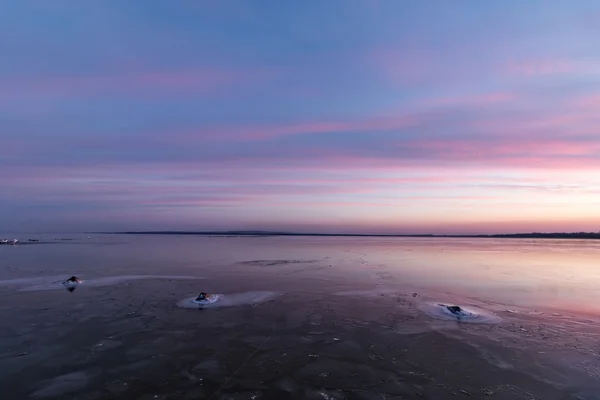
(341, 116)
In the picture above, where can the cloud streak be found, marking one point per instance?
(191, 81)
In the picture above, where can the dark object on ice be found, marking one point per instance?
(202, 296)
(72, 283)
(415, 294)
(456, 310)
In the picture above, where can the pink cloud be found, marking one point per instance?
(274, 131)
(541, 67)
(548, 67)
(194, 80)
(415, 66)
(472, 154)
(403, 67)
(512, 149)
(418, 154)
(576, 116)
(589, 102)
(222, 201)
(476, 99)
(563, 140)
(146, 188)
(152, 179)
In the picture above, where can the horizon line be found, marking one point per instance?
(578, 235)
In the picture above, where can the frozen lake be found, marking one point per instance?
(300, 317)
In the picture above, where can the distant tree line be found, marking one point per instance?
(556, 235)
(532, 235)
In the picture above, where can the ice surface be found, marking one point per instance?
(55, 282)
(366, 293)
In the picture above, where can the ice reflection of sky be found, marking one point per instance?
(560, 274)
(555, 273)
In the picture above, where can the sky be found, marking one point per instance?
(367, 116)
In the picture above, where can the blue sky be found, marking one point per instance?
(368, 116)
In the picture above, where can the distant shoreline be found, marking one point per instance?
(534, 235)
